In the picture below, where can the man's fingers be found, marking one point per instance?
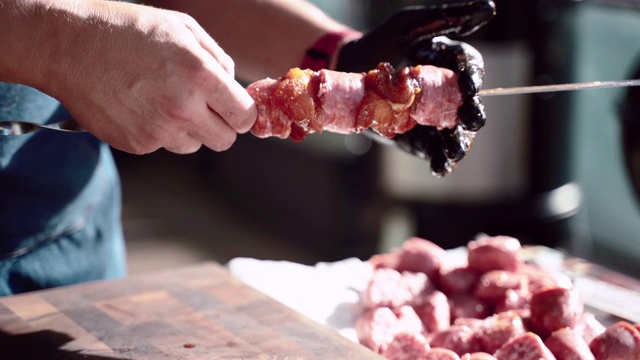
(222, 93)
(231, 102)
(212, 47)
(213, 132)
(183, 143)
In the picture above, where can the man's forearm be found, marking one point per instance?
(20, 33)
(264, 37)
(36, 37)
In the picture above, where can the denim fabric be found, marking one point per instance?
(59, 201)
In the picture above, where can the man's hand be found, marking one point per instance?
(416, 36)
(141, 78)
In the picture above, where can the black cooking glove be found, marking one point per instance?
(416, 36)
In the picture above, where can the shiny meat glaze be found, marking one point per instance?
(261, 92)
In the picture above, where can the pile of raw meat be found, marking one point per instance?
(495, 306)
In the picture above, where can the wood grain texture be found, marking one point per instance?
(197, 312)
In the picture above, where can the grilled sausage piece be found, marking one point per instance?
(494, 253)
(588, 327)
(421, 255)
(459, 338)
(478, 356)
(376, 328)
(390, 288)
(434, 311)
(440, 354)
(467, 306)
(407, 346)
(494, 285)
(555, 308)
(458, 280)
(566, 344)
(499, 329)
(528, 346)
(621, 341)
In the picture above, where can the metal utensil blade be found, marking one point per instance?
(559, 87)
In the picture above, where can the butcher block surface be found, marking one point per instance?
(197, 312)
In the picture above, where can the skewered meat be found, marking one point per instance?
(387, 101)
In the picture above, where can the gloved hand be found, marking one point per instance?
(416, 36)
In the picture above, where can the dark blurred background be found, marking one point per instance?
(550, 169)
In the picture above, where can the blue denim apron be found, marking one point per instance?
(59, 201)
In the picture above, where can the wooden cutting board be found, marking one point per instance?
(197, 312)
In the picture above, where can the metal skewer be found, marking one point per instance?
(12, 128)
(17, 127)
(559, 87)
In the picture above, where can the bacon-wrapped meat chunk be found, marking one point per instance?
(387, 101)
